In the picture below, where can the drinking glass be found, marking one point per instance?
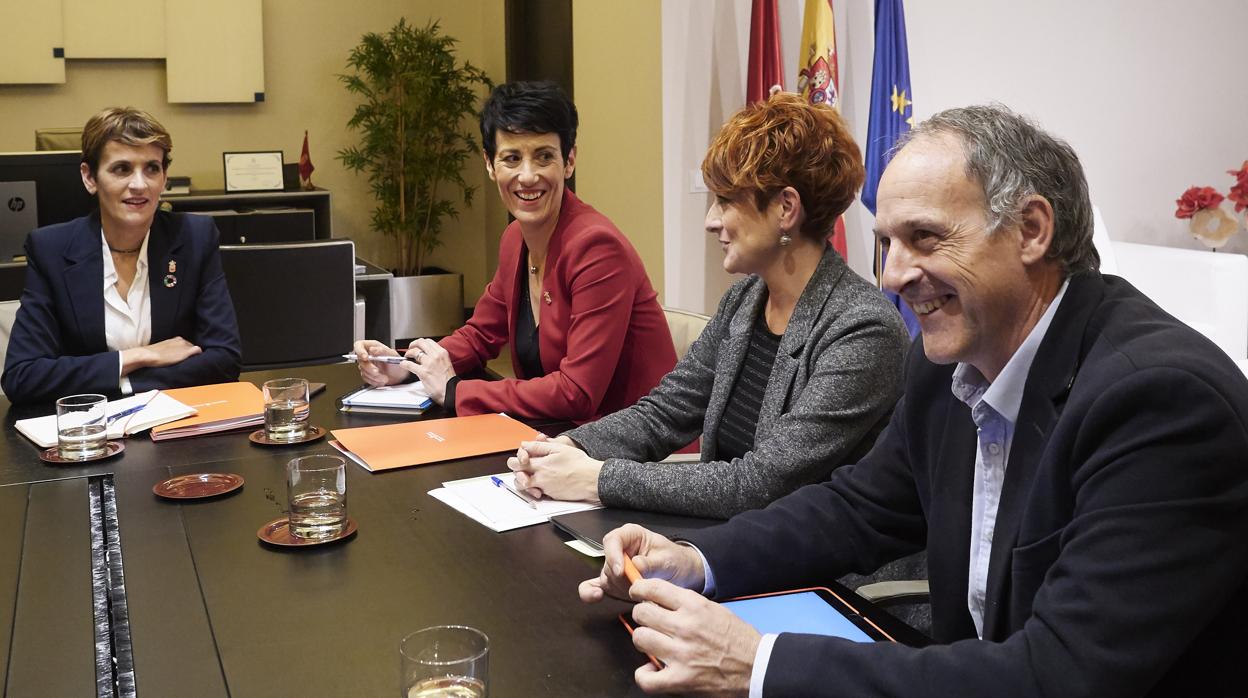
(316, 487)
(451, 661)
(81, 426)
(286, 409)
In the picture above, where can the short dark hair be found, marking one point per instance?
(125, 125)
(529, 107)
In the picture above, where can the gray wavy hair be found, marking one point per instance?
(1014, 158)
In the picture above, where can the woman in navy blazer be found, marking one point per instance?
(90, 325)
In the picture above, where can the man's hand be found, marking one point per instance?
(655, 557)
(705, 647)
(377, 374)
(172, 351)
(556, 469)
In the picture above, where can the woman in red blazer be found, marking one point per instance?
(570, 297)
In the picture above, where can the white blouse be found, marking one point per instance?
(127, 321)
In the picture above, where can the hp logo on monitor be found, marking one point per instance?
(16, 204)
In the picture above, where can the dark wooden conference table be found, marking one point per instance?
(212, 611)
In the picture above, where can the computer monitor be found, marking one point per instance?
(59, 193)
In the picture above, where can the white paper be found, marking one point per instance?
(159, 409)
(584, 548)
(494, 507)
(411, 395)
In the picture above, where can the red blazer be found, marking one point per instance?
(603, 337)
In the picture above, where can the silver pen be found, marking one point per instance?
(377, 359)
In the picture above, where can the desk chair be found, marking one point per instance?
(685, 327)
(8, 315)
(12, 280)
(69, 138)
(295, 302)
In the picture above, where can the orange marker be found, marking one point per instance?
(630, 571)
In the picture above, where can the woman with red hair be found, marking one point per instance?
(795, 374)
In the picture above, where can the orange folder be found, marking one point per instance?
(392, 446)
(219, 407)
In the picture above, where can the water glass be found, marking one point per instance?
(81, 426)
(286, 409)
(451, 661)
(316, 487)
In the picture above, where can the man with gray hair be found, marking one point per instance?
(1074, 459)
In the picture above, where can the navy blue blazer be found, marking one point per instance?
(57, 346)
(1119, 564)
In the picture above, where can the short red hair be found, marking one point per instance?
(785, 142)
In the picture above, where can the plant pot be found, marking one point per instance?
(429, 305)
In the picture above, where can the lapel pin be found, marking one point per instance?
(170, 279)
(173, 267)
(546, 297)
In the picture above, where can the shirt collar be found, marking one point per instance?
(1005, 394)
(110, 269)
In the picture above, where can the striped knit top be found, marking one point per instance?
(736, 431)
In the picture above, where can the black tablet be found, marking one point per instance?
(816, 611)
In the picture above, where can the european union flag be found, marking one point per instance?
(891, 112)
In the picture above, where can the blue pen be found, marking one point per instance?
(126, 413)
(498, 482)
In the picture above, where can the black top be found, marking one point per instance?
(736, 432)
(528, 353)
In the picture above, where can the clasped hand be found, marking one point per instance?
(705, 647)
(556, 468)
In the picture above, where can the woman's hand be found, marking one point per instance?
(432, 365)
(171, 351)
(377, 374)
(556, 469)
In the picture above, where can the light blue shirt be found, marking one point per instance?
(994, 409)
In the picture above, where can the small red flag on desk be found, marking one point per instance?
(305, 162)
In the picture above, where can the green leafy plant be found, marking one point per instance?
(414, 142)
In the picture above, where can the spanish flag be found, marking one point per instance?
(817, 78)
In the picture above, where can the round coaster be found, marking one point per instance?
(260, 438)
(52, 455)
(198, 485)
(277, 532)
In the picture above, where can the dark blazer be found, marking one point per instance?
(834, 382)
(603, 337)
(1120, 555)
(57, 346)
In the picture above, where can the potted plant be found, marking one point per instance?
(413, 146)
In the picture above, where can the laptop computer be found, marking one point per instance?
(18, 216)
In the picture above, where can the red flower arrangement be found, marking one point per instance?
(1197, 199)
(1239, 193)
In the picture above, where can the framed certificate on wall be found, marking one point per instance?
(259, 170)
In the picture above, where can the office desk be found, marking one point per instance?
(215, 612)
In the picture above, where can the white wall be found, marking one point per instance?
(1149, 93)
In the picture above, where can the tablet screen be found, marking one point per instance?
(802, 612)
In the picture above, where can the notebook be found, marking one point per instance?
(145, 410)
(405, 398)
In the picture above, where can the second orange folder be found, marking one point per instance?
(391, 446)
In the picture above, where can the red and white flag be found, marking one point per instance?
(765, 70)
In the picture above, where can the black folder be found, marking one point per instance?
(590, 526)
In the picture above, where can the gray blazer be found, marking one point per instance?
(836, 377)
